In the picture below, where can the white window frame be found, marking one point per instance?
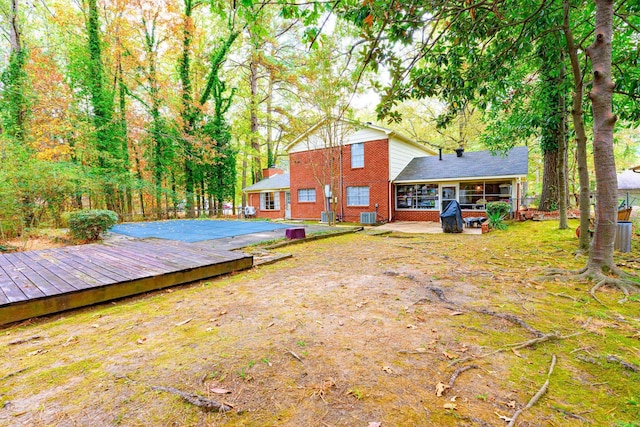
(357, 155)
(306, 195)
(358, 196)
(266, 202)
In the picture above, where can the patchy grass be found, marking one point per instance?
(348, 331)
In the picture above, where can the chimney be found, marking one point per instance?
(271, 171)
(440, 151)
(459, 151)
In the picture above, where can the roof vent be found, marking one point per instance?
(459, 151)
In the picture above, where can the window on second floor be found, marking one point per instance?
(357, 155)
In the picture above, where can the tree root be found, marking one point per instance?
(536, 397)
(620, 279)
(505, 316)
(194, 399)
(628, 366)
(458, 371)
(513, 319)
(517, 346)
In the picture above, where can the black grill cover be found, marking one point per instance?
(451, 218)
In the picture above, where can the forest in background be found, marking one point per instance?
(152, 107)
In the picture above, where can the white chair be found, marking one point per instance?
(249, 211)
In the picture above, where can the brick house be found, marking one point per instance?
(367, 173)
(270, 196)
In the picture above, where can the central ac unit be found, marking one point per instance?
(327, 217)
(368, 218)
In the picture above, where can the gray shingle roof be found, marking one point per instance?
(471, 165)
(276, 182)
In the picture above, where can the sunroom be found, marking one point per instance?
(427, 185)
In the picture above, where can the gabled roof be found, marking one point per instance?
(276, 182)
(478, 164)
(389, 132)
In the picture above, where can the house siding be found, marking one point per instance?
(345, 134)
(400, 154)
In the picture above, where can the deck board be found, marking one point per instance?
(47, 281)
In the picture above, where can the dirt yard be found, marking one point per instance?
(358, 330)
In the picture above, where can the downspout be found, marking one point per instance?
(341, 183)
(390, 200)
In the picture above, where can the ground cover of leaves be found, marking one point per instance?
(357, 330)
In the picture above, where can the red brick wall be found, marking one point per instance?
(429, 215)
(306, 167)
(253, 199)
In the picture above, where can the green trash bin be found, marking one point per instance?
(623, 236)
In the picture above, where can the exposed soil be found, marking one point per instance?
(351, 331)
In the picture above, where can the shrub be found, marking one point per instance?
(501, 209)
(89, 224)
(496, 220)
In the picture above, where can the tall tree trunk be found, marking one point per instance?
(187, 107)
(106, 138)
(157, 138)
(255, 141)
(271, 155)
(563, 161)
(140, 177)
(16, 79)
(550, 180)
(601, 253)
(581, 135)
(122, 92)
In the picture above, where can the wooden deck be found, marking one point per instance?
(36, 283)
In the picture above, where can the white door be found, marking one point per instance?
(287, 204)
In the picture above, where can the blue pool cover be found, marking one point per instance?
(193, 230)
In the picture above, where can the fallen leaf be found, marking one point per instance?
(451, 406)
(141, 340)
(218, 390)
(449, 355)
(420, 350)
(502, 417)
(374, 424)
(387, 369)
(72, 339)
(95, 325)
(440, 388)
(511, 404)
(223, 312)
(412, 327)
(453, 399)
(516, 352)
(184, 322)
(456, 313)
(169, 290)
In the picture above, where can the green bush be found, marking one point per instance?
(499, 209)
(496, 221)
(89, 224)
